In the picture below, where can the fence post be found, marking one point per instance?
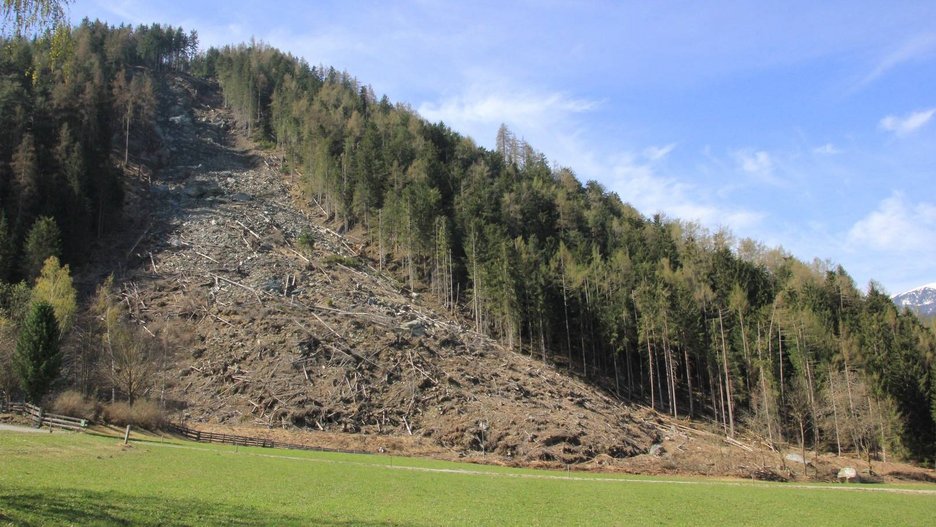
(39, 418)
(127, 435)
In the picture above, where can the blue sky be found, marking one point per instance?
(806, 125)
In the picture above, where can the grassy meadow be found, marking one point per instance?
(65, 478)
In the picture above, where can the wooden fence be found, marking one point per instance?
(41, 418)
(228, 439)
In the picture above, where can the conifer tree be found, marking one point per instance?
(37, 359)
(43, 241)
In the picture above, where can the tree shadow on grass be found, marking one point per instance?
(85, 507)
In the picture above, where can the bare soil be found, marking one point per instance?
(319, 347)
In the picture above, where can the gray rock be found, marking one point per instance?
(847, 473)
(794, 458)
(414, 327)
(656, 449)
(240, 196)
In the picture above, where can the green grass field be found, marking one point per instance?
(65, 478)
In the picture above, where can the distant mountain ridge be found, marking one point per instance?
(921, 300)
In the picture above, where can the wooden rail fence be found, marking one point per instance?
(228, 439)
(41, 418)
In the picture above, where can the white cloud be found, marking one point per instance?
(897, 226)
(755, 163)
(759, 164)
(908, 124)
(524, 110)
(639, 184)
(828, 149)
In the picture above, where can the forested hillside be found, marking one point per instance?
(655, 309)
(77, 109)
(68, 102)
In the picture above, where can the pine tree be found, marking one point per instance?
(37, 359)
(43, 241)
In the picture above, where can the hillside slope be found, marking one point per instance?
(320, 346)
(320, 339)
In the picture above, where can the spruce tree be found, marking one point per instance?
(37, 359)
(43, 241)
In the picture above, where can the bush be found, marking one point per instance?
(74, 404)
(144, 414)
(306, 242)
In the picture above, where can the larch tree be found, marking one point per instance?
(134, 100)
(54, 287)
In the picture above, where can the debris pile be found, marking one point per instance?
(312, 336)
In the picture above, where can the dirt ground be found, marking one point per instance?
(319, 347)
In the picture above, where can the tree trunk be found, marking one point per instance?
(763, 383)
(838, 442)
(127, 138)
(727, 375)
(565, 311)
(650, 368)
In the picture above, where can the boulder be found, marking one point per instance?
(414, 327)
(847, 474)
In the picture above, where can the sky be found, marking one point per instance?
(805, 125)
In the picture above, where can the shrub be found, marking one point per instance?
(306, 242)
(74, 404)
(144, 414)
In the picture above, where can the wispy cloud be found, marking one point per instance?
(917, 47)
(636, 181)
(656, 153)
(897, 226)
(522, 109)
(758, 164)
(828, 149)
(128, 10)
(754, 163)
(908, 124)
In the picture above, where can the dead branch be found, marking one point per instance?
(138, 240)
(408, 429)
(232, 282)
(297, 253)
(246, 228)
(329, 328)
(205, 256)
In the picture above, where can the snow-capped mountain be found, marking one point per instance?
(921, 300)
